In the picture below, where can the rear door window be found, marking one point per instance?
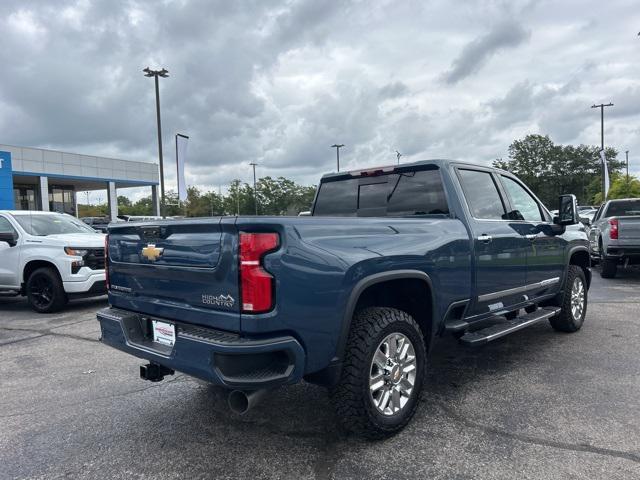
(482, 195)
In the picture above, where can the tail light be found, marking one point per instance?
(613, 229)
(106, 261)
(257, 292)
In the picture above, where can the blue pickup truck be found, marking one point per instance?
(353, 296)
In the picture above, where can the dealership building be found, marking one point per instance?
(49, 180)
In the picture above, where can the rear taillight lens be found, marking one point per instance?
(106, 261)
(613, 229)
(257, 290)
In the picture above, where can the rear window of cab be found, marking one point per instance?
(398, 194)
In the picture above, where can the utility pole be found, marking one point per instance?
(337, 147)
(164, 73)
(627, 154)
(398, 155)
(255, 192)
(601, 107)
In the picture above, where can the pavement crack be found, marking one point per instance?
(103, 397)
(580, 447)
(44, 333)
(24, 339)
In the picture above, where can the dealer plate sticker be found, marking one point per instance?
(164, 333)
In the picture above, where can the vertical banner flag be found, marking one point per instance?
(181, 157)
(605, 172)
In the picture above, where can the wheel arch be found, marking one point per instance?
(580, 256)
(32, 265)
(381, 287)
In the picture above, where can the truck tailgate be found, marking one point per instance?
(629, 228)
(179, 270)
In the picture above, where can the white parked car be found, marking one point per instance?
(50, 258)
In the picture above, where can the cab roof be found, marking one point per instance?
(438, 162)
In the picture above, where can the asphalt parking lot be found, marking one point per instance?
(537, 404)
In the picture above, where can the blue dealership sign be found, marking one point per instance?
(6, 182)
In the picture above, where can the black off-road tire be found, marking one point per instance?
(565, 321)
(46, 279)
(608, 268)
(351, 397)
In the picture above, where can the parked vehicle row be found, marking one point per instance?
(352, 297)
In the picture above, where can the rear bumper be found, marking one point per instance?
(217, 356)
(623, 252)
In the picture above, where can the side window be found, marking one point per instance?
(482, 195)
(5, 226)
(597, 215)
(522, 201)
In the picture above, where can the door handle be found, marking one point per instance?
(531, 236)
(485, 238)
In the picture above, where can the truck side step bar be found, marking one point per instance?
(505, 327)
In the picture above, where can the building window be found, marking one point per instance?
(62, 199)
(24, 197)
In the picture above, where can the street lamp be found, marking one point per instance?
(255, 192)
(337, 147)
(164, 73)
(601, 107)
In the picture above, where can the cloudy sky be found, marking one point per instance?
(278, 82)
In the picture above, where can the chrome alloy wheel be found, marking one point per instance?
(577, 299)
(392, 374)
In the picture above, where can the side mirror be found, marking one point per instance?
(585, 221)
(567, 211)
(9, 237)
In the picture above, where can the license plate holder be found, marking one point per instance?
(164, 333)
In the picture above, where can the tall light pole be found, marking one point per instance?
(164, 73)
(601, 107)
(255, 192)
(337, 147)
(398, 155)
(626, 152)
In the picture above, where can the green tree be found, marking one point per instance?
(621, 187)
(279, 196)
(551, 170)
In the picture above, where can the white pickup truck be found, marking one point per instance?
(49, 258)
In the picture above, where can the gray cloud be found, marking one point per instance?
(279, 81)
(475, 54)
